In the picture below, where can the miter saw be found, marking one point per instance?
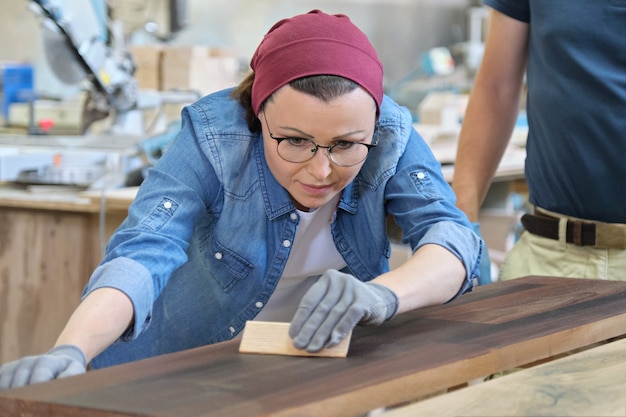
(83, 44)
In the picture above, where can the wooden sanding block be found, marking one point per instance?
(272, 338)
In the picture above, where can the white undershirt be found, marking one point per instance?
(312, 253)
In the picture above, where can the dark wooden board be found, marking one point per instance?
(497, 327)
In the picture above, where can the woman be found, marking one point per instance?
(272, 204)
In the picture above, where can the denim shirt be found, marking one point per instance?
(209, 233)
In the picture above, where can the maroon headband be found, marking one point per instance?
(315, 43)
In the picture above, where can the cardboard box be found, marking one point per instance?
(148, 65)
(442, 108)
(198, 68)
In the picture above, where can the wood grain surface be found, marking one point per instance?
(46, 258)
(588, 383)
(497, 327)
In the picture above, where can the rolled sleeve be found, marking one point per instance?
(462, 242)
(139, 289)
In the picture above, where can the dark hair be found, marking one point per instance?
(324, 87)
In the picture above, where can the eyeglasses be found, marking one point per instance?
(343, 153)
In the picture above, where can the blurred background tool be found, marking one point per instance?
(82, 43)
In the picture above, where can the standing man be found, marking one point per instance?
(574, 57)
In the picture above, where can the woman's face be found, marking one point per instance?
(290, 113)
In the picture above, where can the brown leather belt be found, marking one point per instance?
(581, 233)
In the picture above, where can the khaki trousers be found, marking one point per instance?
(536, 255)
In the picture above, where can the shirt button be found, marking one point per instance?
(218, 255)
(286, 243)
(420, 175)
(232, 329)
(258, 304)
(293, 216)
(167, 205)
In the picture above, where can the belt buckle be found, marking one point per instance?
(610, 236)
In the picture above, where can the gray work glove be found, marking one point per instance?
(59, 362)
(334, 305)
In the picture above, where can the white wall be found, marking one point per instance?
(399, 29)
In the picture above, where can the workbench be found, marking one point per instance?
(587, 383)
(424, 352)
(50, 243)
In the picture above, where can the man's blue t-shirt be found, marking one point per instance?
(576, 105)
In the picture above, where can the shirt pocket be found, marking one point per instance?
(225, 265)
(424, 185)
(160, 215)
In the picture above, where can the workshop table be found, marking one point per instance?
(50, 243)
(588, 383)
(497, 327)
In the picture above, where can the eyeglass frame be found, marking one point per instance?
(329, 149)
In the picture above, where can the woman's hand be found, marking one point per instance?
(334, 305)
(59, 362)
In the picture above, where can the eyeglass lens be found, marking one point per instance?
(343, 153)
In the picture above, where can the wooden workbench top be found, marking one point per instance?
(588, 383)
(65, 198)
(498, 327)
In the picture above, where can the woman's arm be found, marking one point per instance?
(433, 275)
(99, 320)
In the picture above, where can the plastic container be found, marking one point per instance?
(17, 86)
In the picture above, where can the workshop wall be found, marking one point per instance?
(400, 29)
